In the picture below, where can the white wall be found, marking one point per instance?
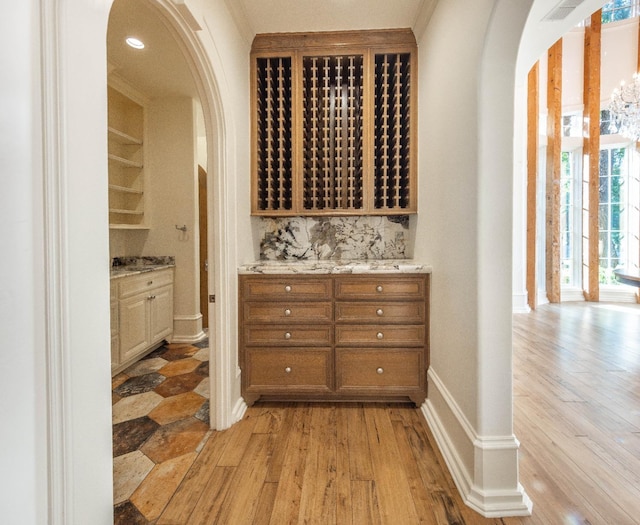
(171, 191)
(23, 402)
(228, 189)
(453, 234)
(470, 90)
(619, 55)
(54, 296)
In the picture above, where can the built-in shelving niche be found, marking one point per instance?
(332, 131)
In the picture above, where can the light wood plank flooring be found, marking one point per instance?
(577, 415)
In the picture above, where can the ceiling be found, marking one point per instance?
(157, 70)
(276, 16)
(161, 70)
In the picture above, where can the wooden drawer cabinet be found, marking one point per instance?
(384, 288)
(380, 335)
(373, 369)
(289, 312)
(286, 288)
(376, 312)
(300, 371)
(344, 337)
(287, 335)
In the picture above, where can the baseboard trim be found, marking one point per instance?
(482, 453)
(187, 329)
(183, 339)
(520, 304)
(239, 410)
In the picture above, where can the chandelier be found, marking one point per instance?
(625, 109)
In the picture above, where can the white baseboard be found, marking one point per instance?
(542, 298)
(475, 462)
(520, 303)
(238, 410)
(188, 329)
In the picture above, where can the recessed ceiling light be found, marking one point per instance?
(135, 42)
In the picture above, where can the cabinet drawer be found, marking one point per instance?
(383, 287)
(286, 288)
(270, 370)
(146, 281)
(375, 368)
(285, 335)
(377, 312)
(380, 335)
(288, 312)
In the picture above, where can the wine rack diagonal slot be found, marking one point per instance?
(273, 130)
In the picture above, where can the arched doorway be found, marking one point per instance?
(78, 478)
(76, 246)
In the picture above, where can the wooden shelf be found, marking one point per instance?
(125, 212)
(124, 189)
(120, 226)
(125, 162)
(123, 138)
(126, 159)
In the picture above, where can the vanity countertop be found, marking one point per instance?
(125, 271)
(335, 267)
(126, 266)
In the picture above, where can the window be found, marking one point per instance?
(613, 173)
(606, 123)
(572, 125)
(570, 207)
(619, 10)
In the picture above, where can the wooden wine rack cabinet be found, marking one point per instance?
(333, 117)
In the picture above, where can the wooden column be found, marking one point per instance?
(591, 150)
(554, 142)
(533, 101)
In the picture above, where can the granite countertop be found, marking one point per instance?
(126, 266)
(335, 267)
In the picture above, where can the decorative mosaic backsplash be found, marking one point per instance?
(334, 238)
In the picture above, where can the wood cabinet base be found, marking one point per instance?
(355, 338)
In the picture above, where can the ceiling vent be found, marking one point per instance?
(562, 10)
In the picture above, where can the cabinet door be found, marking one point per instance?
(161, 313)
(134, 325)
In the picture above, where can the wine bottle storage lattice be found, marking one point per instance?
(332, 143)
(273, 145)
(392, 116)
(332, 121)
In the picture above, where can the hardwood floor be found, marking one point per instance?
(577, 411)
(577, 415)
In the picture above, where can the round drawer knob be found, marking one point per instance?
(287, 370)
(287, 288)
(379, 312)
(287, 335)
(380, 370)
(379, 335)
(149, 283)
(379, 288)
(287, 312)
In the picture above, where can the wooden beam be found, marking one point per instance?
(533, 100)
(554, 143)
(591, 150)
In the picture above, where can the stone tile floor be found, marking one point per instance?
(160, 419)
